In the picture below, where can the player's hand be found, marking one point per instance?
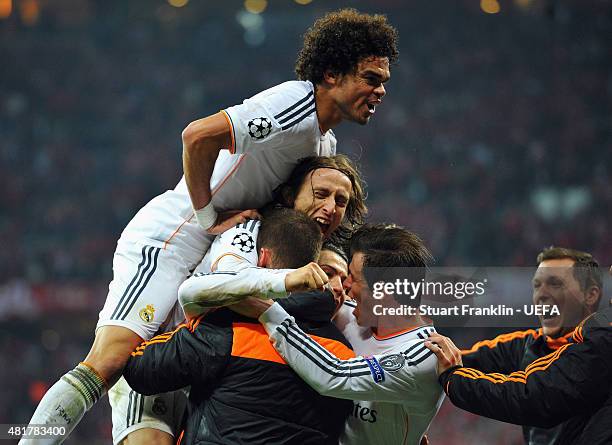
(448, 354)
(309, 277)
(251, 307)
(227, 220)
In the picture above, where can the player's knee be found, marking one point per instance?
(146, 436)
(111, 351)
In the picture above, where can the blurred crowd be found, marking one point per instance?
(495, 138)
(494, 141)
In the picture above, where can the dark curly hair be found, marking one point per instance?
(340, 40)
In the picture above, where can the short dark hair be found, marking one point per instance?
(356, 208)
(586, 268)
(340, 40)
(293, 238)
(336, 247)
(385, 249)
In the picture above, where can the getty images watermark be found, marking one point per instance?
(478, 297)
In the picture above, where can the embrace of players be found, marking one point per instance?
(240, 306)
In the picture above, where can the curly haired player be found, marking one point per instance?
(233, 159)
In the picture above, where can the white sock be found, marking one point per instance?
(67, 401)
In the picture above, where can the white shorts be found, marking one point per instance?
(144, 289)
(133, 411)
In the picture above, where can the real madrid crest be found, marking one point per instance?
(147, 313)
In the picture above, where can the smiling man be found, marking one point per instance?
(570, 280)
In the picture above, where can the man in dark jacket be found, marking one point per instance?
(571, 281)
(572, 385)
(242, 391)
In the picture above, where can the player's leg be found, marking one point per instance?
(79, 389)
(142, 420)
(147, 436)
(141, 295)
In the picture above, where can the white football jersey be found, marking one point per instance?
(395, 377)
(373, 422)
(271, 131)
(229, 273)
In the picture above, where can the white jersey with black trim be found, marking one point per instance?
(394, 378)
(229, 273)
(271, 132)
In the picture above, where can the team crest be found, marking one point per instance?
(244, 242)
(393, 362)
(147, 314)
(259, 127)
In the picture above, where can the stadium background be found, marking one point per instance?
(494, 141)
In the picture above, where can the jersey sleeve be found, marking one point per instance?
(389, 378)
(269, 119)
(222, 288)
(501, 354)
(549, 391)
(174, 360)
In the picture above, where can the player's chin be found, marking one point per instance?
(551, 327)
(363, 120)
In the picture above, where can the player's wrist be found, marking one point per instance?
(206, 216)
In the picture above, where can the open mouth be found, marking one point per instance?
(323, 224)
(371, 108)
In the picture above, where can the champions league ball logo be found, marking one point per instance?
(244, 242)
(259, 127)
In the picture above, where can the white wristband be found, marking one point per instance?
(206, 216)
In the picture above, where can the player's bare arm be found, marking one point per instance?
(202, 141)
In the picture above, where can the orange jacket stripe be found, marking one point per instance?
(531, 369)
(472, 371)
(485, 377)
(251, 341)
(556, 343)
(547, 359)
(163, 338)
(504, 338)
(518, 376)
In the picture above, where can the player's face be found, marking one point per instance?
(357, 289)
(358, 94)
(324, 196)
(554, 284)
(337, 270)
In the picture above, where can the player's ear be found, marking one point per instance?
(593, 296)
(265, 256)
(330, 78)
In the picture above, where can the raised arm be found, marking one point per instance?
(223, 288)
(390, 378)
